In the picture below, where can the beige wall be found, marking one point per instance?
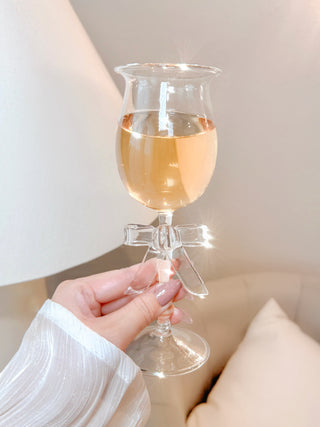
(263, 203)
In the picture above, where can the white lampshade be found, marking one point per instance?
(61, 199)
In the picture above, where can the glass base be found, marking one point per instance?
(180, 352)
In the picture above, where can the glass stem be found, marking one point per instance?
(165, 218)
(163, 325)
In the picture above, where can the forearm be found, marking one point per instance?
(66, 374)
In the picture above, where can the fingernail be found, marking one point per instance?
(181, 294)
(172, 272)
(186, 318)
(165, 292)
(189, 296)
(176, 263)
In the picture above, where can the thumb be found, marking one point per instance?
(123, 325)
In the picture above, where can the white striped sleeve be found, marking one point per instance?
(65, 374)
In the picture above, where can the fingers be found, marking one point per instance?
(111, 285)
(120, 302)
(114, 305)
(122, 326)
(180, 315)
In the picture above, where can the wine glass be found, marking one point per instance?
(166, 154)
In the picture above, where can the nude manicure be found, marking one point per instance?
(165, 292)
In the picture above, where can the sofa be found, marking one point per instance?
(223, 318)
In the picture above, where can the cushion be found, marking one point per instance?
(272, 379)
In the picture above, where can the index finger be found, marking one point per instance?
(111, 285)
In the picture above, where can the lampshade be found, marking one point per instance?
(61, 199)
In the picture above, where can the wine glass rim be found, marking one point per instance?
(178, 70)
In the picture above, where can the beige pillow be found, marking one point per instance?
(272, 380)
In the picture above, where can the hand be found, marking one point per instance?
(99, 301)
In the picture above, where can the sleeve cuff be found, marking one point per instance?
(89, 339)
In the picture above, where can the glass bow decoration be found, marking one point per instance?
(167, 243)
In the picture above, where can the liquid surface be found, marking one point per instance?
(166, 162)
